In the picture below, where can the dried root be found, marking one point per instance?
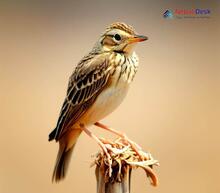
(123, 157)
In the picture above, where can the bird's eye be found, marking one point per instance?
(117, 37)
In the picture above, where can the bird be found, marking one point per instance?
(96, 88)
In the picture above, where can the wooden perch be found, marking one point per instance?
(115, 177)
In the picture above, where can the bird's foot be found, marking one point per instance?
(136, 148)
(115, 150)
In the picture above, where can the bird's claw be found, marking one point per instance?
(136, 148)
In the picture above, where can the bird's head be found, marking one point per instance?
(120, 37)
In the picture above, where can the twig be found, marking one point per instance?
(115, 178)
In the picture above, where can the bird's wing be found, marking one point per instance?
(89, 78)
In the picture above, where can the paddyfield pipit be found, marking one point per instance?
(96, 88)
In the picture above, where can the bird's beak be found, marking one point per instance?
(137, 38)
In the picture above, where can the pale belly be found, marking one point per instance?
(105, 104)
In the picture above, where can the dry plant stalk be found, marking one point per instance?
(115, 177)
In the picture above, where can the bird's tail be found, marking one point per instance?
(66, 146)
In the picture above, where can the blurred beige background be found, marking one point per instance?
(172, 109)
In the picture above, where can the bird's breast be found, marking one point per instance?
(112, 96)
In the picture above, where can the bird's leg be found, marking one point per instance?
(104, 148)
(134, 146)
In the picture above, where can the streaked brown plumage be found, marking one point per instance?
(96, 87)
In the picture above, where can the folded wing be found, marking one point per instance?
(89, 78)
